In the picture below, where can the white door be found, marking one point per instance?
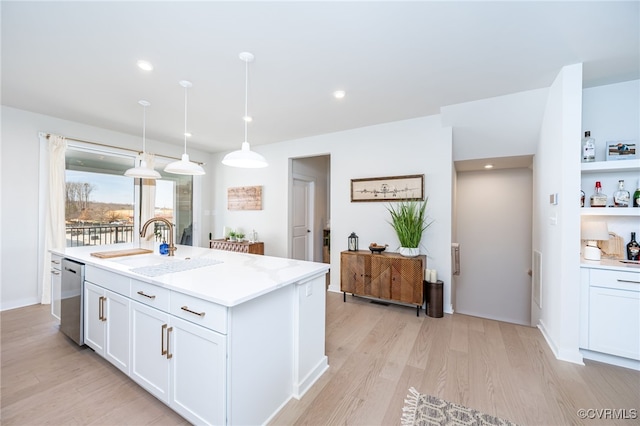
(494, 222)
(302, 235)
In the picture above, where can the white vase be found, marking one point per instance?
(409, 251)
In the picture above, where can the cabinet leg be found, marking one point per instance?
(417, 311)
(344, 297)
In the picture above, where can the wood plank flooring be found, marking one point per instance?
(375, 354)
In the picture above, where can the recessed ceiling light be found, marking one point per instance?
(339, 94)
(187, 134)
(247, 118)
(145, 65)
(488, 166)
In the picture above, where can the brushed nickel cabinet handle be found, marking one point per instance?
(169, 354)
(628, 281)
(142, 293)
(186, 308)
(54, 272)
(104, 317)
(162, 350)
(100, 308)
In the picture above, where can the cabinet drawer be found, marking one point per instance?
(109, 280)
(622, 280)
(198, 311)
(150, 294)
(56, 261)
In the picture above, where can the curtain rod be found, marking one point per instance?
(117, 147)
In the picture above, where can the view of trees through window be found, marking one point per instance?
(100, 202)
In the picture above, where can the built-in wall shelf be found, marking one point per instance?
(610, 211)
(611, 166)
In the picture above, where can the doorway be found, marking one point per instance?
(494, 226)
(309, 206)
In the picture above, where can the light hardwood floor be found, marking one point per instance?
(376, 353)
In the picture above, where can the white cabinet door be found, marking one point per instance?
(106, 319)
(198, 372)
(56, 292)
(614, 327)
(93, 314)
(149, 355)
(116, 320)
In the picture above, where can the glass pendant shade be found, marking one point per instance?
(244, 157)
(142, 171)
(184, 166)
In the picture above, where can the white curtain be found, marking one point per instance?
(54, 205)
(148, 202)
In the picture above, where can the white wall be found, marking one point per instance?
(556, 227)
(417, 146)
(20, 153)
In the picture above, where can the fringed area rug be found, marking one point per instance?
(427, 410)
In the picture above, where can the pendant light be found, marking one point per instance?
(184, 166)
(244, 157)
(142, 171)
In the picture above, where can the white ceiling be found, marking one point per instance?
(396, 60)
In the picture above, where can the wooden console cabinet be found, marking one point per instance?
(243, 247)
(385, 276)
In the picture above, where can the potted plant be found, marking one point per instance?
(409, 220)
(232, 236)
(240, 236)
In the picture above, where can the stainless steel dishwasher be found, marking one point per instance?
(71, 317)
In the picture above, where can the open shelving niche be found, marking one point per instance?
(608, 173)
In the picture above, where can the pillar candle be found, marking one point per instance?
(434, 276)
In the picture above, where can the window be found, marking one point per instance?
(103, 206)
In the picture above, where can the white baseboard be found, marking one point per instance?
(573, 356)
(14, 304)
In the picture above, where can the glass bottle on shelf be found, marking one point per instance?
(581, 198)
(621, 196)
(633, 248)
(636, 195)
(588, 148)
(598, 198)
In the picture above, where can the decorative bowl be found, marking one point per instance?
(375, 248)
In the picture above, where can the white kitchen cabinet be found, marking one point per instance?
(149, 354)
(198, 372)
(56, 285)
(610, 315)
(106, 319)
(614, 322)
(180, 363)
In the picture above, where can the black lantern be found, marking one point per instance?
(353, 242)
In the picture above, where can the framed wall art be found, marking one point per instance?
(410, 187)
(244, 198)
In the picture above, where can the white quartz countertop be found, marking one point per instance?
(237, 278)
(611, 264)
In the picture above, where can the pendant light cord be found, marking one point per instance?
(246, 98)
(144, 128)
(185, 118)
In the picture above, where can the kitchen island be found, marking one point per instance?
(220, 337)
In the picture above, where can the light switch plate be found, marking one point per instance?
(553, 199)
